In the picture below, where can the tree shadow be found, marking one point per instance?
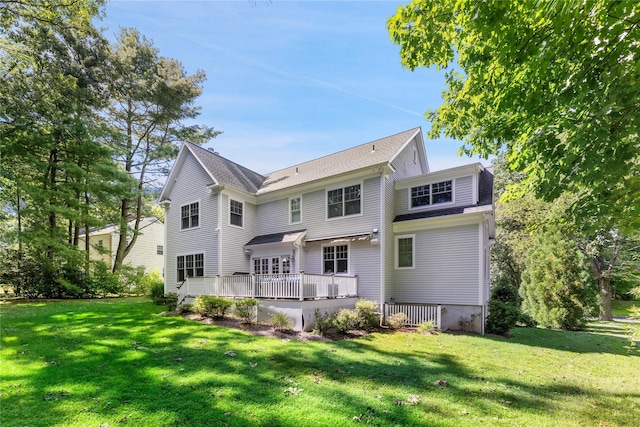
(124, 365)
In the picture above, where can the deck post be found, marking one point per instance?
(302, 286)
(439, 317)
(254, 285)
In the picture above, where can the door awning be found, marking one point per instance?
(342, 239)
(292, 237)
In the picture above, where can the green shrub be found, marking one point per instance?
(247, 310)
(527, 321)
(323, 322)
(146, 282)
(185, 308)
(157, 293)
(104, 281)
(368, 314)
(346, 320)
(504, 308)
(397, 321)
(427, 327)
(556, 288)
(281, 322)
(212, 306)
(171, 301)
(132, 279)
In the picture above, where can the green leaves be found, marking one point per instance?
(556, 85)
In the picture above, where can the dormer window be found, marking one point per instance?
(432, 194)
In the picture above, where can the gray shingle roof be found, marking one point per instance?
(344, 161)
(372, 153)
(227, 172)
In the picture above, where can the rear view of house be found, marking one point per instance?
(368, 222)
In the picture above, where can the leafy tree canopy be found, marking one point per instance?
(555, 84)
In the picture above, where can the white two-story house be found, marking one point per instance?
(368, 222)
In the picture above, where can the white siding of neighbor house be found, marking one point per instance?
(462, 193)
(447, 269)
(145, 251)
(404, 167)
(191, 186)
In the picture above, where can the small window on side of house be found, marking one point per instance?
(160, 250)
(236, 213)
(100, 244)
(190, 216)
(405, 251)
(295, 210)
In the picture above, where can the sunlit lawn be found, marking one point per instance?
(621, 308)
(116, 362)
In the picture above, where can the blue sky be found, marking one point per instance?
(289, 81)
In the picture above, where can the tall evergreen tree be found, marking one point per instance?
(151, 99)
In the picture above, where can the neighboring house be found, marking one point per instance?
(368, 222)
(148, 251)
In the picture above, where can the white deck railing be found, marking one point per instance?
(416, 313)
(290, 286)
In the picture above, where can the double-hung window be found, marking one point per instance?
(344, 201)
(235, 214)
(295, 210)
(335, 259)
(432, 194)
(190, 215)
(190, 266)
(405, 251)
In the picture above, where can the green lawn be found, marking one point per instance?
(116, 362)
(619, 308)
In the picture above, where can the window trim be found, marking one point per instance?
(334, 245)
(431, 204)
(185, 255)
(160, 250)
(191, 227)
(343, 202)
(242, 215)
(397, 251)
(291, 210)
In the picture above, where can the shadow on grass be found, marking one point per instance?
(597, 337)
(121, 364)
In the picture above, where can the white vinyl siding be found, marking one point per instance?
(234, 260)
(404, 167)
(447, 268)
(191, 184)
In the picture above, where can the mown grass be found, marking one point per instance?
(621, 308)
(117, 362)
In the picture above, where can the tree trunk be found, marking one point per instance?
(605, 297)
(122, 238)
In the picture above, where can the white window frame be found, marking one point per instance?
(431, 204)
(343, 202)
(185, 265)
(335, 245)
(159, 249)
(190, 227)
(413, 251)
(242, 215)
(291, 211)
